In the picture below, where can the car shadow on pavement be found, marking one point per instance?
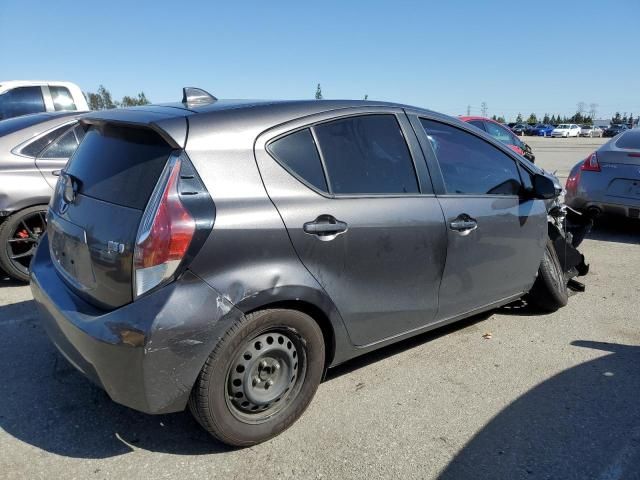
(48, 404)
(583, 423)
(616, 229)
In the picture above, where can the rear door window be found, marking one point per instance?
(470, 165)
(297, 153)
(366, 154)
(21, 101)
(499, 133)
(62, 99)
(34, 148)
(63, 147)
(119, 165)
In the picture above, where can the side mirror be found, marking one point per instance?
(544, 187)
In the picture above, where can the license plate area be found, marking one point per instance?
(70, 252)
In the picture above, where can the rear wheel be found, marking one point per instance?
(19, 237)
(549, 292)
(260, 377)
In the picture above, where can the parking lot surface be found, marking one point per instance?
(510, 394)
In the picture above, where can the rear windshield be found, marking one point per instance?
(119, 165)
(12, 125)
(630, 139)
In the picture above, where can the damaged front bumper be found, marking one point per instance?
(145, 355)
(567, 230)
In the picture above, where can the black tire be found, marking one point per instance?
(19, 237)
(549, 291)
(223, 387)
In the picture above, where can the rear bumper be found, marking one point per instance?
(147, 354)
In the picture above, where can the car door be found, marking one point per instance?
(55, 156)
(496, 233)
(355, 196)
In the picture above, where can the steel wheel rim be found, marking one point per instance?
(266, 375)
(24, 240)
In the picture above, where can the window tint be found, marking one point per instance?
(297, 152)
(62, 99)
(119, 165)
(366, 154)
(630, 139)
(63, 147)
(34, 148)
(469, 164)
(21, 101)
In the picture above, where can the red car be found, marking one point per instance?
(502, 134)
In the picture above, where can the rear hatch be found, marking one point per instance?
(623, 170)
(98, 205)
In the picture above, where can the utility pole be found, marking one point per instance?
(468, 110)
(483, 108)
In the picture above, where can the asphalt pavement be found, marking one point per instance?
(511, 394)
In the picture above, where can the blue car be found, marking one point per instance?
(542, 130)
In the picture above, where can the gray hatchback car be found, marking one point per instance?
(224, 254)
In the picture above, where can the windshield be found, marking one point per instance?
(564, 125)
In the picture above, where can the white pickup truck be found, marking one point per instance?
(21, 97)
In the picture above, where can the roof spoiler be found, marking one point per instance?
(192, 96)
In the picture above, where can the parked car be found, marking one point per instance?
(224, 254)
(608, 180)
(543, 130)
(615, 129)
(590, 131)
(20, 97)
(502, 134)
(566, 130)
(522, 129)
(32, 148)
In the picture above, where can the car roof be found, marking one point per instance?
(270, 111)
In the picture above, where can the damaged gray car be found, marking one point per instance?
(222, 255)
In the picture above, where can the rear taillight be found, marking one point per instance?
(591, 163)
(635, 155)
(572, 183)
(165, 232)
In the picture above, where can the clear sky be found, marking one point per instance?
(525, 56)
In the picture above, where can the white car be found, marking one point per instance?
(566, 130)
(590, 131)
(21, 97)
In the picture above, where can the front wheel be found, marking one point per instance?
(19, 237)
(260, 377)
(549, 291)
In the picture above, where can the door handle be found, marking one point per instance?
(325, 227)
(56, 173)
(463, 224)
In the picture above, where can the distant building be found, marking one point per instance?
(602, 122)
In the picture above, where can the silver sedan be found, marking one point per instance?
(608, 180)
(590, 131)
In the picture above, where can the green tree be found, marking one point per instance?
(107, 101)
(366, 97)
(616, 118)
(519, 118)
(500, 119)
(128, 101)
(546, 119)
(532, 119)
(94, 100)
(319, 92)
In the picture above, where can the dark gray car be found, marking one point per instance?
(32, 149)
(608, 180)
(224, 254)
